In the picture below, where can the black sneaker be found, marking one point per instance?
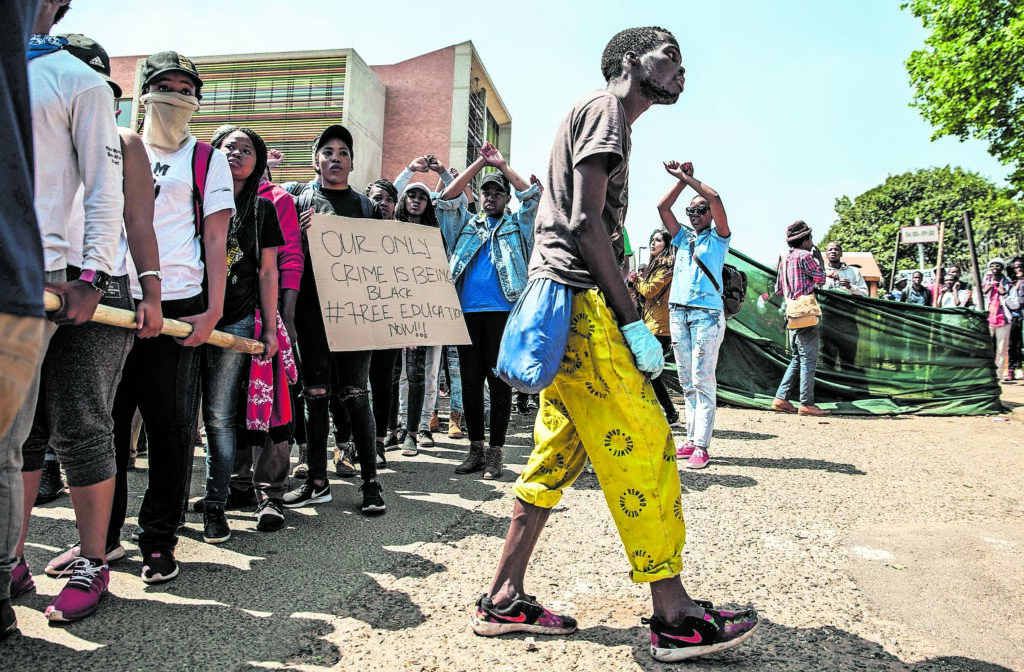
(159, 567)
(425, 439)
(215, 525)
(51, 485)
(392, 442)
(520, 616)
(270, 515)
(8, 619)
(308, 494)
(241, 500)
(372, 501)
(382, 460)
(694, 637)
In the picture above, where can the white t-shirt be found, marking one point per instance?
(76, 147)
(76, 237)
(174, 218)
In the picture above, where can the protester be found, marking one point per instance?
(73, 117)
(697, 312)
(1015, 274)
(489, 255)
(259, 476)
(840, 276)
(599, 403)
(842, 333)
(916, 292)
(253, 239)
(422, 363)
(651, 283)
(1000, 302)
(799, 275)
(161, 375)
(326, 374)
(950, 293)
(21, 273)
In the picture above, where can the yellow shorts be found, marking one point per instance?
(600, 405)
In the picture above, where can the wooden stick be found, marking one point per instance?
(118, 317)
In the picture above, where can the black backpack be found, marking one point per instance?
(735, 285)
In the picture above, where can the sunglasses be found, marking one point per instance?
(697, 209)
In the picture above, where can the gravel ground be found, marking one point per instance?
(866, 543)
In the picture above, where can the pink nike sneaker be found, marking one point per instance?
(700, 636)
(520, 616)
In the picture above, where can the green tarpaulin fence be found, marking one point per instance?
(877, 357)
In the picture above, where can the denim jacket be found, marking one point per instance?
(511, 239)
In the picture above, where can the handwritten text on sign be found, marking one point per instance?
(383, 284)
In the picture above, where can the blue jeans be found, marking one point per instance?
(805, 343)
(224, 372)
(697, 335)
(454, 379)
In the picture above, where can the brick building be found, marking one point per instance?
(442, 102)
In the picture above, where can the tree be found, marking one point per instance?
(968, 79)
(870, 222)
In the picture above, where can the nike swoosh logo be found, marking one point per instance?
(517, 619)
(695, 639)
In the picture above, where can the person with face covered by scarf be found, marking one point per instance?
(161, 375)
(252, 241)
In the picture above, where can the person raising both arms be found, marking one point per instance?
(695, 305)
(489, 256)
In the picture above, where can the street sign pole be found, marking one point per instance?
(920, 246)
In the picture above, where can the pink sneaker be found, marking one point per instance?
(684, 449)
(81, 595)
(21, 578)
(699, 459)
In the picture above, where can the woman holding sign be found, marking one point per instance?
(490, 252)
(343, 375)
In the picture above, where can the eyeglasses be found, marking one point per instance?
(697, 209)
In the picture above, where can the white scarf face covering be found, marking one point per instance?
(167, 117)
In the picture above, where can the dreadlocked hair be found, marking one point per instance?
(428, 218)
(386, 185)
(246, 201)
(637, 40)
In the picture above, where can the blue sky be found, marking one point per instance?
(788, 105)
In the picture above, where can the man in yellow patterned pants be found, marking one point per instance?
(601, 404)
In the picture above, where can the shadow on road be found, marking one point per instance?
(790, 463)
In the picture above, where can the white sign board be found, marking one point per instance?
(383, 284)
(920, 234)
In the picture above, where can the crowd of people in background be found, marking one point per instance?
(222, 247)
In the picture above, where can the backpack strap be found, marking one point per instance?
(202, 155)
(693, 255)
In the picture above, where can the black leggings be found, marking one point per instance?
(478, 362)
(660, 390)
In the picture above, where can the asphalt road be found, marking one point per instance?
(866, 543)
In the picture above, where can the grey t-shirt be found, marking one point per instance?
(597, 124)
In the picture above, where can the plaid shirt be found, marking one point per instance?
(803, 273)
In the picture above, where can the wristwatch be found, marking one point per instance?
(98, 280)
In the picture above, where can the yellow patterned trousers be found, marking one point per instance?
(601, 406)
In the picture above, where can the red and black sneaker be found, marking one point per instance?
(520, 616)
(700, 636)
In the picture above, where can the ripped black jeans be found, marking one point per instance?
(343, 376)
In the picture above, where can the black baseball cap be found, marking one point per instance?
(169, 61)
(92, 54)
(329, 133)
(496, 178)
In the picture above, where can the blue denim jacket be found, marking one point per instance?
(511, 239)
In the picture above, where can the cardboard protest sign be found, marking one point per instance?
(383, 284)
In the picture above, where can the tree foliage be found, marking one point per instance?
(871, 221)
(969, 79)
